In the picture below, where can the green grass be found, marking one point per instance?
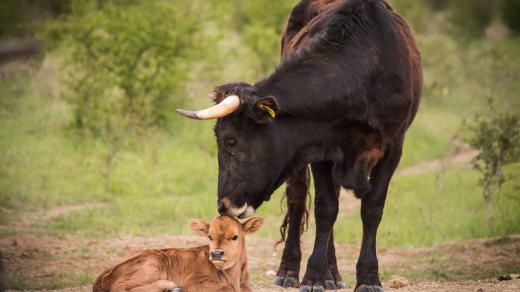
(161, 179)
(165, 179)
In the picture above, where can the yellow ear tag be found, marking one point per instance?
(269, 110)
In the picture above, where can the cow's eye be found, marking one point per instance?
(209, 236)
(234, 237)
(230, 142)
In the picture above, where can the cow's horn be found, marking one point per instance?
(220, 110)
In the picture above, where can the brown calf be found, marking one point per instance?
(220, 266)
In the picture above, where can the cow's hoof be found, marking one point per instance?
(278, 281)
(291, 282)
(312, 289)
(369, 288)
(330, 285)
(287, 279)
(173, 290)
(341, 285)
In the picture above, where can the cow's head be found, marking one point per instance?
(251, 156)
(226, 238)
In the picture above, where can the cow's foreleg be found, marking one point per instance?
(326, 211)
(334, 280)
(372, 206)
(297, 188)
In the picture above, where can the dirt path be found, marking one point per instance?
(66, 262)
(25, 223)
(72, 261)
(463, 154)
(461, 286)
(438, 164)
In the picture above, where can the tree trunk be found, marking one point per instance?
(489, 202)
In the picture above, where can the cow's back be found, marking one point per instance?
(391, 48)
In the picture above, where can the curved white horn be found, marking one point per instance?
(220, 110)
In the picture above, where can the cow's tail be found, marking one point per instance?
(304, 224)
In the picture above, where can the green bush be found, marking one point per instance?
(261, 24)
(439, 4)
(125, 64)
(416, 12)
(510, 10)
(22, 18)
(470, 18)
(497, 136)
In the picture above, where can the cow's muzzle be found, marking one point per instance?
(226, 207)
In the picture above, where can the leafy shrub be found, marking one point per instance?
(416, 12)
(124, 64)
(470, 18)
(22, 18)
(510, 10)
(497, 136)
(261, 24)
(439, 4)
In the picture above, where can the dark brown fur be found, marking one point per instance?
(345, 93)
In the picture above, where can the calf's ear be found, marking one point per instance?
(199, 227)
(252, 225)
(264, 110)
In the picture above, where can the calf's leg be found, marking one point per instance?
(296, 192)
(326, 211)
(372, 206)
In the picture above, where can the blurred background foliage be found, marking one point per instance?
(90, 121)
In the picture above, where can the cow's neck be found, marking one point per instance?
(309, 140)
(317, 86)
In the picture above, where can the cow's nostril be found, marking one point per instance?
(217, 254)
(221, 208)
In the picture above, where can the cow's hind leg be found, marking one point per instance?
(326, 211)
(372, 206)
(296, 192)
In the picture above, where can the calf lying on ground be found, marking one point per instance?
(220, 266)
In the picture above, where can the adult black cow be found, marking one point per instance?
(342, 99)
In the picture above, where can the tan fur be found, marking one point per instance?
(191, 269)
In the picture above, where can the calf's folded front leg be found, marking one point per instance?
(157, 286)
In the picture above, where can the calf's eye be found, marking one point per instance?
(209, 236)
(234, 237)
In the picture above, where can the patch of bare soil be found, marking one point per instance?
(461, 286)
(38, 261)
(42, 217)
(464, 154)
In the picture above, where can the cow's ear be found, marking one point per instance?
(264, 110)
(252, 225)
(199, 227)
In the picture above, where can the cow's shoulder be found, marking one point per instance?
(317, 21)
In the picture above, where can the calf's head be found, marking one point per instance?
(251, 158)
(226, 238)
